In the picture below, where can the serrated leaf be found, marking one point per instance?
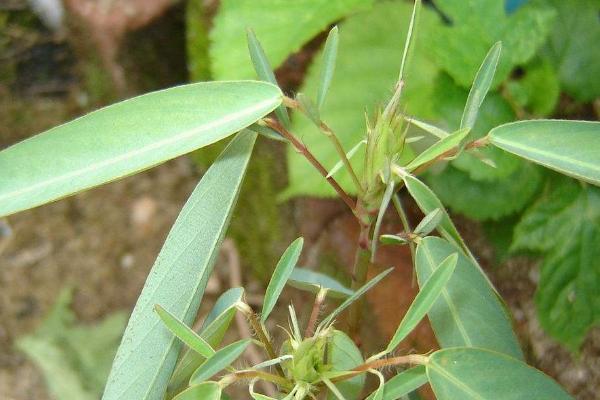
(469, 312)
(351, 299)
(571, 44)
(282, 272)
(404, 383)
(203, 391)
(343, 356)
(439, 148)
(427, 296)
(460, 46)
(178, 278)
(478, 374)
(127, 137)
(312, 281)
(564, 225)
(219, 361)
(569, 147)
(184, 333)
(213, 330)
(481, 86)
(328, 67)
(284, 27)
(483, 200)
(366, 72)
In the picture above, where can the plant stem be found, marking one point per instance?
(405, 223)
(302, 149)
(410, 359)
(314, 315)
(359, 278)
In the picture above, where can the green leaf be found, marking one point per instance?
(475, 26)
(74, 359)
(385, 202)
(313, 281)
(478, 374)
(213, 330)
(424, 300)
(127, 137)
(282, 272)
(284, 27)
(265, 72)
(538, 90)
(469, 312)
(184, 333)
(404, 383)
(564, 226)
(439, 148)
(481, 86)
(219, 361)
(487, 200)
(570, 48)
(204, 391)
(343, 356)
(366, 72)
(569, 147)
(329, 58)
(429, 222)
(351, 299)
(432, 129)
(178, 278)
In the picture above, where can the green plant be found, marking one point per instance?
(480, 356)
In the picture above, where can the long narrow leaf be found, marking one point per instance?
(313, 281)
(409, 43)
(362, 290)
(178, 278)
(385, 202)
(423, 302)
(282, 272)
(219, 361)
(265, 71)
(481, 86)
(184, 333)
(204, 391)
(329, 58)
(127, 137)
(434, 130)
(438, 148)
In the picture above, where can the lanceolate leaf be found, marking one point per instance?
(312, 281)
(468, 312)
(127, 137)
(481, 86)
(429, 222)
(438, 148)
(404, 383)
(423, 302)
(569, 147)
(213, 330)
(204, 391)
(178, 278)
(184, 333)
(328, 67)
(219, 361)
(282, 272)
(478, 374)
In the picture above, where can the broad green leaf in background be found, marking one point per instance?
(74, 359)
(564, 226)
(569, 147)
(459, 47)
(369, 56)
(203, 391)
(478, 374)
(282, 26)
(213, 330)
(185, 333)
(429, 293)
(351, 299)
(487, 200)
(538, 90)
(469, 312)
(127, 137)
(343, 356)
(178, 278)
(571, 47)
(481, 86)
(282, 272)
(219, 361)
(404, 383)
(312, 281)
